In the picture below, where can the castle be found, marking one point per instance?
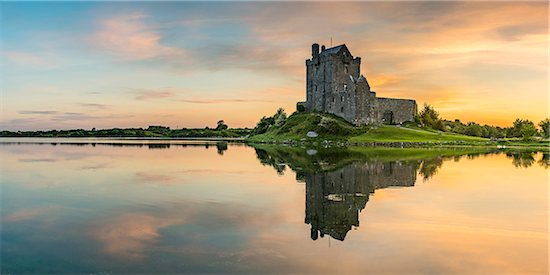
(335, 85)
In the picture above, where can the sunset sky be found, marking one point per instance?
(190, 64)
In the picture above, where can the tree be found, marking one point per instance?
(528, 130)
(263, 125)
(545, 127)
(517, 126)
(473, 129)
(280, 117)
(221, 125)
(522, 128)
(430, 118)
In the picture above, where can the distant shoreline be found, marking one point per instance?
(111, 139)
(243, 140)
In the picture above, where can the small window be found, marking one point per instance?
(315, 87)
(341, 109)
(342, 98)
(333, 99)
(346, 69)
(345, 87)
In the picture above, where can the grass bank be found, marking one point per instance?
(326, 126)
(332, 129)
(387, 133)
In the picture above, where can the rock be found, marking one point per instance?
(311, 152)
(312, 134)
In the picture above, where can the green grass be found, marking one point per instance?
(334, 128)
(403, 134)
(296, 127)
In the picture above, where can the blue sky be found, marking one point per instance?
(189, 64)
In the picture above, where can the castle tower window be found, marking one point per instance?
(315, 87)
(345, 87)
(342, 109)
(342, 98)
(346, 69)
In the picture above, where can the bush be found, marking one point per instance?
(300, 107)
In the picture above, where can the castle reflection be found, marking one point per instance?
(339, 181)
(335, 198)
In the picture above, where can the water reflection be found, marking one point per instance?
(221, 146)
(230, 208)
(339, 182)
(335, 198)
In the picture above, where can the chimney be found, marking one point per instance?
(315, 50)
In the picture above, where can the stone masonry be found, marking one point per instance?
(335, 85)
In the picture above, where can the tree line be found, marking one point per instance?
(221, 130)
(521, 128)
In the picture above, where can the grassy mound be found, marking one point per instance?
(296, 127)
(334, 128)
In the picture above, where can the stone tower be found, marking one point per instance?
(329, 79)
(335, 85)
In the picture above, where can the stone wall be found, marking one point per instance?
(395, 111)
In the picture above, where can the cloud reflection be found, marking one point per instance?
(130, 235)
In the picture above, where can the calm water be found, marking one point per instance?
(129, 207)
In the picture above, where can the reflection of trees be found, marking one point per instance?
(221, 146)
(266, 159)
(428, 167)
(521, 159)
(159, 146)
(545, 160)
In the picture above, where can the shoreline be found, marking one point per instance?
(243, 140)
(134, 138)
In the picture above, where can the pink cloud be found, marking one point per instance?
(129, 37)
(129, 236)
